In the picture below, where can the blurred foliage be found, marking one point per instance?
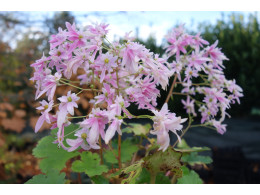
(18, 49)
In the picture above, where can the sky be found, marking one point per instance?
(156, 23)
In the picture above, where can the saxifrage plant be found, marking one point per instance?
(120, 74)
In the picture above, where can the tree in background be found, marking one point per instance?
(58, 20)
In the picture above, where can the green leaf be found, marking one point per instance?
(117, 173)
(163, 161)
(127, 150)
(162, 179)
(189, 177)
(138, 129)
(184, 147)
(99, 179)
(90, 164)
(133, 172)
(144, 177)
(52, 156)
(52, 177)
(110, 157)
(183, 144)
(193, 158)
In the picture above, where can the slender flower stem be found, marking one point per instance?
(108, 41)
(101, 151)
(195, 84)
(105, 47)
(112, 150)
(70, 80)
(79, 92)
(78, 116)
(177, 93)
(71, 132)
(78, 87)
(79, 178)
(203, 125)
(119, 152)
(119, 136)
(170, 92)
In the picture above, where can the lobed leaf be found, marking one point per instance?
(185, 148)
(189, 177)
(163, 161)
(90, 164)
(52, 156)
(52, 177)
(193, 158)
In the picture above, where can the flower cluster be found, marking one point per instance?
(128, 74)
(203, 64)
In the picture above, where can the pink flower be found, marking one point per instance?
(96, 123)
(81, 141)
(216, 55)
(143, 92)
(196, 61)
(189, 106)
(107, 96)
(221, 128)
(40, 64)
(105, 63)
(68, 102)
(189, 73)
(78, 37)
(131, 56)
(58, 39)
(60, 136)
(49, 85)
(116, 109)
(46, 108)
(115, 126)
(198, 42)
(98, 30)
(164, 121)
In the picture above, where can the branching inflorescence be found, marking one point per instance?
(130, 74)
